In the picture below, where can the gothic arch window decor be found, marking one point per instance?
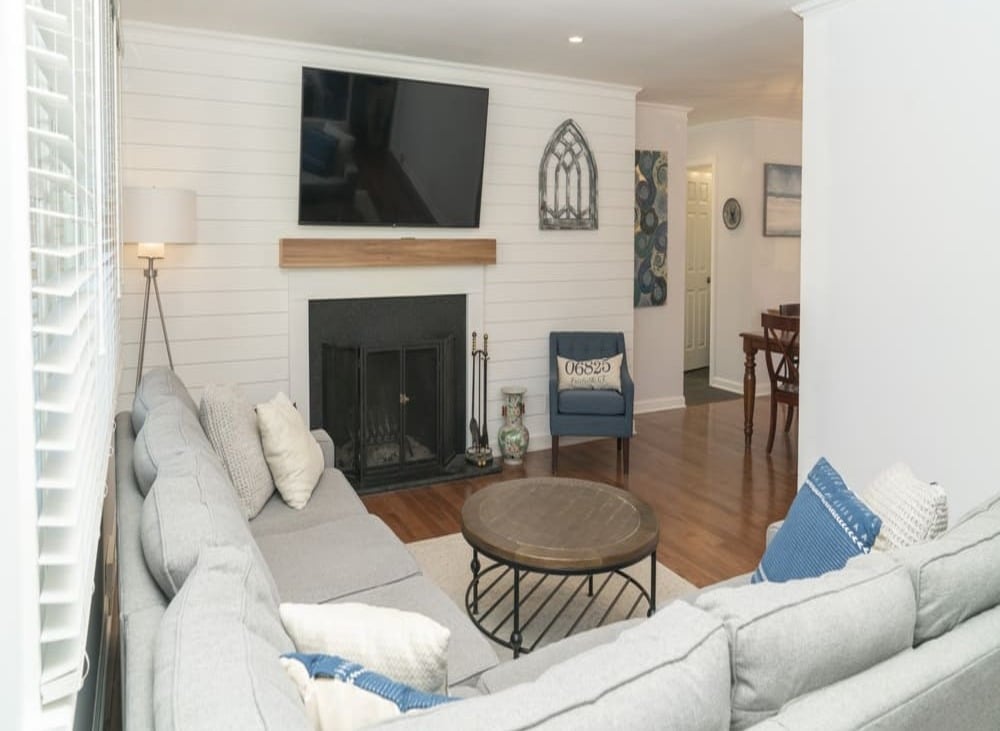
(567, 181)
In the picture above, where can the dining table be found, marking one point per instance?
(752, 343)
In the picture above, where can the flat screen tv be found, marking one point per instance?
(384, 151)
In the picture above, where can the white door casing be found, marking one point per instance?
(698, 268)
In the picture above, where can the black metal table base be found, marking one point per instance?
(500, 593)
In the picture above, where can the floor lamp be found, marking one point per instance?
(152, 218)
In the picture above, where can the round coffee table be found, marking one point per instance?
(554, 526)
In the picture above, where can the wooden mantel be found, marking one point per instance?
(406, 252)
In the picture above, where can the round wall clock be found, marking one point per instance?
(732, 213)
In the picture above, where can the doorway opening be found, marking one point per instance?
(698, 289)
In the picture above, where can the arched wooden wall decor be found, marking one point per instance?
(567, 181)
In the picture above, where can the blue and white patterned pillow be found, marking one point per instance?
(338, 693)
(826, 526)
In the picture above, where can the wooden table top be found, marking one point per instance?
(560, 525)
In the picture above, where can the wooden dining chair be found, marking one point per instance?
(781, 342)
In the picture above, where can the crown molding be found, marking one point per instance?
(678, 108)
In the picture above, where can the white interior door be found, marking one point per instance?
(698, 268)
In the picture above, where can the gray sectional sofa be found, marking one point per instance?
(906, 640)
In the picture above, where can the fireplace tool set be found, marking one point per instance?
(479, 451)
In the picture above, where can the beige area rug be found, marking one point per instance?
(445, 561)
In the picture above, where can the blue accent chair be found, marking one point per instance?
(586, 413)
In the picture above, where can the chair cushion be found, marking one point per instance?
(159, 386)
(336, 559)
(218, 651)
(603, 403)
(955, 576)
(826, 525)
(231, 425)
(168, 430)
(191, 505)
(790, 638)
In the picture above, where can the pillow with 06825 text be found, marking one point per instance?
(596, 373)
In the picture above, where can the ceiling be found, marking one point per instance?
(722, 58)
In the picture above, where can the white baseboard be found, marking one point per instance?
(647, 406)
(737, 386)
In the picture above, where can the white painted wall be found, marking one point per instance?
(658, 357)
(900, 260)
(220, 114)
(751, 271)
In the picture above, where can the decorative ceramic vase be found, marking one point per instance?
(513, 435)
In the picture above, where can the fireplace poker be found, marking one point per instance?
(473, 424)
(485, 441)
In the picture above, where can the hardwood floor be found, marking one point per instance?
(713, 499)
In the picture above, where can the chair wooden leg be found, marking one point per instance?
(619, 444)
(774, 419)
(555, 454)
(789, 415)
(625, 450)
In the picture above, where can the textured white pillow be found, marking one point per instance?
(407, 647)
(294, 456)
(912, 511)
(597, 373)
(339, 694)
(228, 420)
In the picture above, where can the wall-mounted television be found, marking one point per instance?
(384, 151)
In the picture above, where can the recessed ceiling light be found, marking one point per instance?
(576, 39)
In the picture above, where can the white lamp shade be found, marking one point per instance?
(158, 215)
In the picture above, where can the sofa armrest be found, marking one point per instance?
(326, 444)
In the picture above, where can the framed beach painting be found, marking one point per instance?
(782, 200)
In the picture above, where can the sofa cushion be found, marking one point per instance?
(405, 646)
(231, 425)
(670, 672)
(191, 505)
(159, 386)
(218, 651)
(912, 511)
(168, 430)
(605, 403)
(528, 668)
(790, 638)
(336, 559)
(469, 652)
(826, 525)
(138, 642)
(293, 455)
(333, 498)
(956, 576)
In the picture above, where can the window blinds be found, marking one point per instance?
(73, 213)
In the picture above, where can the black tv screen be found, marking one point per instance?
(384, 151)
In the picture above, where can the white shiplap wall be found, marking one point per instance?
(219, 114)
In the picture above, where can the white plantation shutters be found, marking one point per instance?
(73, 216)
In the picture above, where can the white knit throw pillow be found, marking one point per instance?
(408, 647)
(294, 456)
(229, 421)
(912, 511)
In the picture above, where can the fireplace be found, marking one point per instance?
(387, 381)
